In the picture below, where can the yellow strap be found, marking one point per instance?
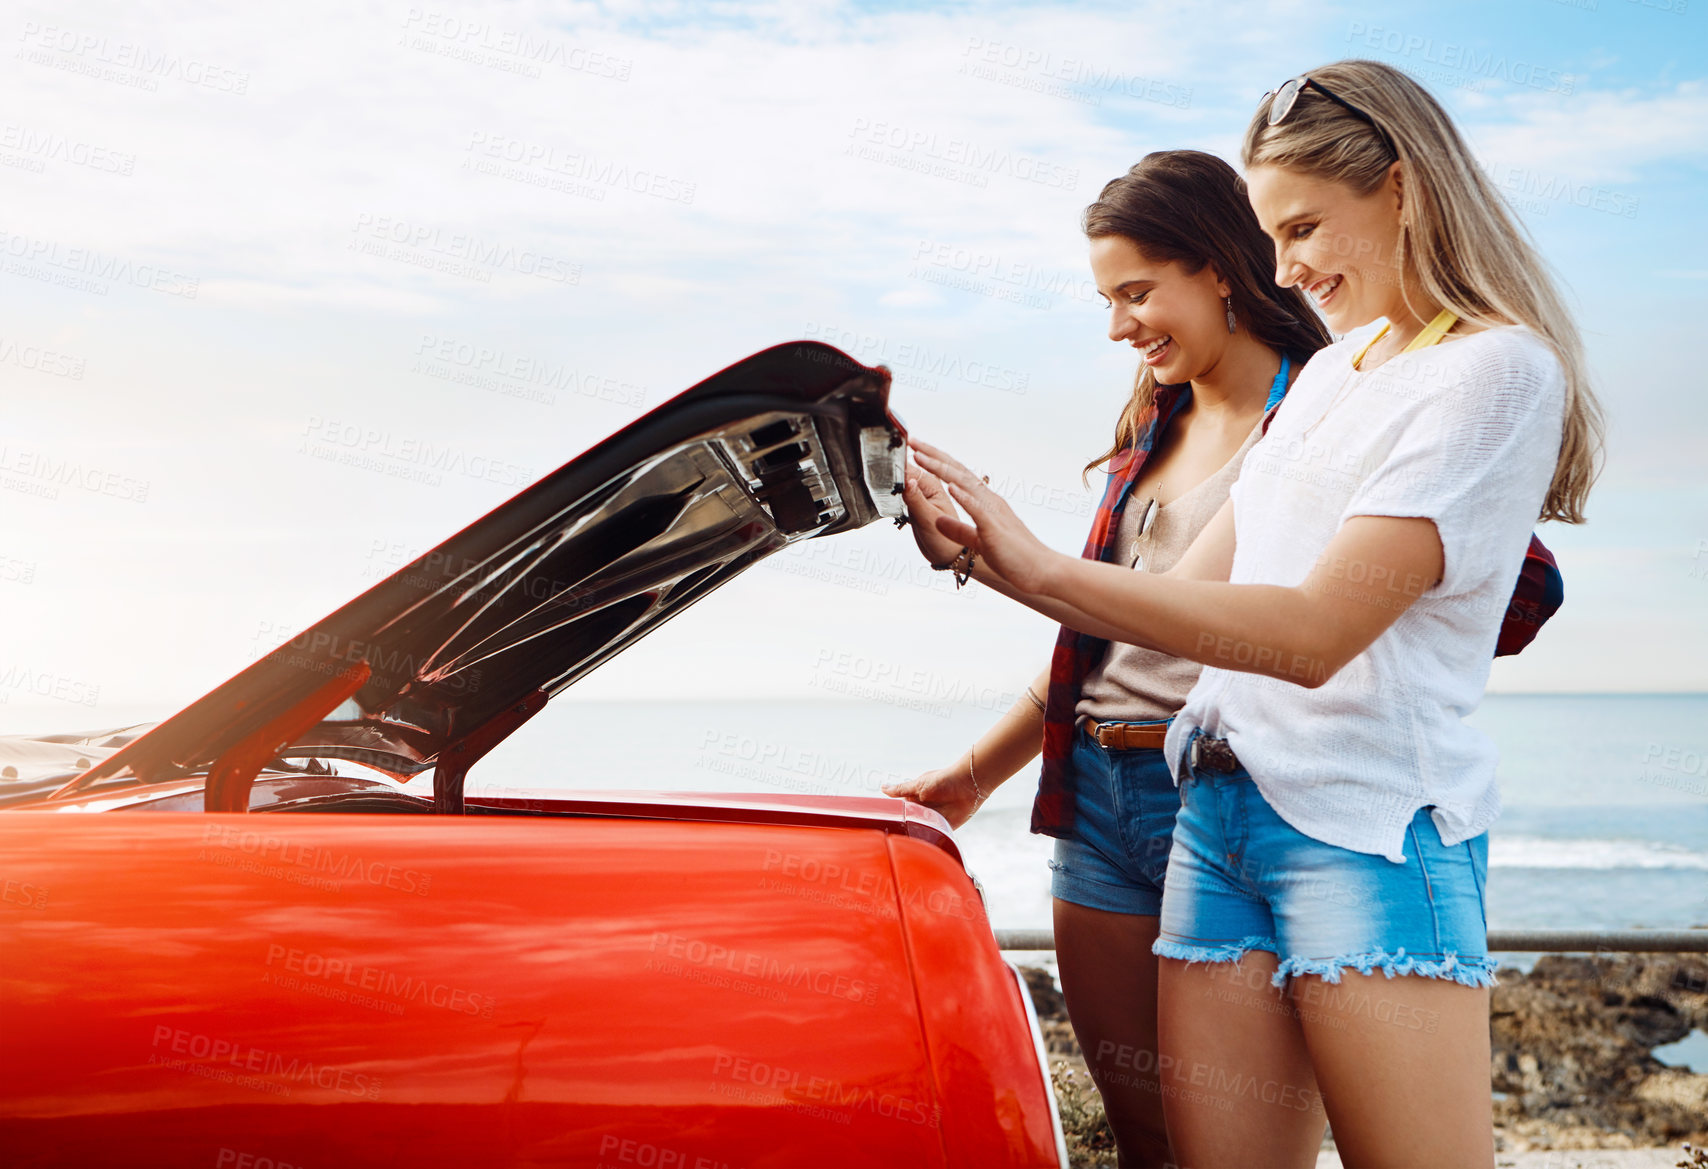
(1434, 331)
(1429, 335)
(1358, 358)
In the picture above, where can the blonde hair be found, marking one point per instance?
(1465, 250)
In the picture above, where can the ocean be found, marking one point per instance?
(1605, 820)
(1604, 825)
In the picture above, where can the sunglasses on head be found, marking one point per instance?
(1281, 103)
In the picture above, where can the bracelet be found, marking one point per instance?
(1036, 701)
(978, 795)
(953, 560)
(962, 576)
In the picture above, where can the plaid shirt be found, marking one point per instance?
(1539, 593)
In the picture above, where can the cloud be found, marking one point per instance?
(1597, 136)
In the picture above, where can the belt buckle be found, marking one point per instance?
(1217, 756)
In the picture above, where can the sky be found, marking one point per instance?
(289, 294)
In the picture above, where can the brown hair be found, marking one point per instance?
(1462, 249)
(1188, 207)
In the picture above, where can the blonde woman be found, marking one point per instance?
(1323, 934)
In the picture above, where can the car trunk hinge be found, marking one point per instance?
(461, 754)
(233, 773)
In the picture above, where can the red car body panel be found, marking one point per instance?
(575, 991)
(991, 1115)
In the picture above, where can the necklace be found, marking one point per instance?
(1338, 395)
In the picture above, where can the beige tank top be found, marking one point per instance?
(1130, 683)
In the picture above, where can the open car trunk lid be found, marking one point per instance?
(457, 648)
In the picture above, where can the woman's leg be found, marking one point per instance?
(1404, 1067)
(1390, 972)
(1107, 884)
(1237, 1083)
(1403, 1060)
(1108, 978)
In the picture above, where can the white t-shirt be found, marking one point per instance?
(1466, 433)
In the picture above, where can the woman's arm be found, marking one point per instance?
(1000, 753)
(1055, 608)
(927, 501)
(1303, 634)
(1210, 556)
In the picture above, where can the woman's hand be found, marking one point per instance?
(947, 791)
(926, 500)
(995, 533)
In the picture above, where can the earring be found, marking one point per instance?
(1230, 303)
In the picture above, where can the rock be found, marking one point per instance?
(1571, 1063)
(1052, 1013)
(1047, 1001)
(1571, 1051)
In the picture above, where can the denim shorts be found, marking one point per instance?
(1241, 878)
(1124, 805)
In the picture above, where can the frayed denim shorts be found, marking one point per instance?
(1241, 878)
(1124, 806)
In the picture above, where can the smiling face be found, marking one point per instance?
(1176, 321)
(1339, 246)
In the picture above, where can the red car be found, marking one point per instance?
(250, 959)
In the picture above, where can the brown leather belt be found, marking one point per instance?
(1125, 736)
